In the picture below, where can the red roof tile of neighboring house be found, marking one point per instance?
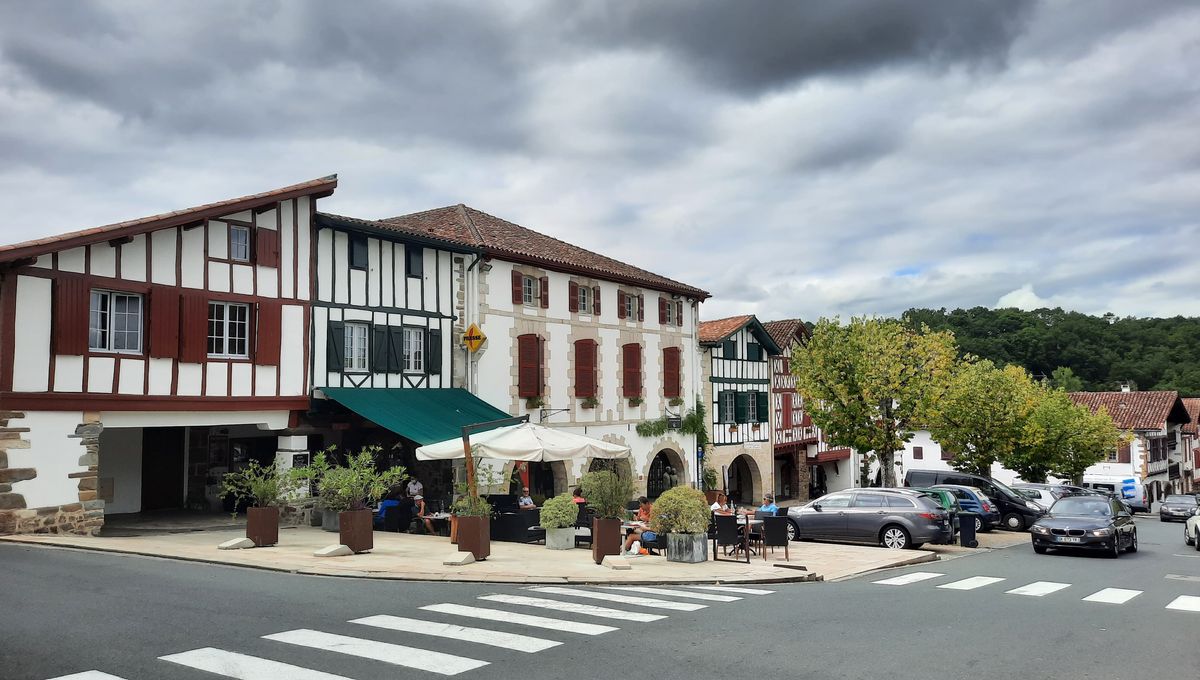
(1136, 410)
(1192, 405)
(320, 187)
(505, 240)
(784, 330)
(719, 329)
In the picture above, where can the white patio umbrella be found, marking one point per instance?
(525, 442)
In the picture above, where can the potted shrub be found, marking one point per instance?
(264, 488)
(472, 518)
(558, 517)
(682, 514)
(350, 491)
(589, 402)
(607, 493)
(712, 489)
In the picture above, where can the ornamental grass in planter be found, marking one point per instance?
(350, 491)
(558, 517)
(682, 514)
(473, 525)
(264, 488)
(607, 494)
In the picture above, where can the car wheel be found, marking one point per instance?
(1014, 522)
(793, 532)
(894, 537)
(1116, 549)
(1039, 549)
(1133, 543)
(978, 524)
(1187, 540)
(1197, 543)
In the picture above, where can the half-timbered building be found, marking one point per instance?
(789, 436)
(738, 383)
(141, 360)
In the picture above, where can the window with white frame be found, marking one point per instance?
(529, 290)
(585, 300)
(752, 407)
(726, 406)
(228, 330)
(239, 243)
(631, 307)
(672, 310)
(115, 322)
(414, 350)
(356, 346)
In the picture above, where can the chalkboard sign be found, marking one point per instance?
(299, 460)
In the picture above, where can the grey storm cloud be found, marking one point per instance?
(794, 158)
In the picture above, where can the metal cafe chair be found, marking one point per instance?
(727, 535)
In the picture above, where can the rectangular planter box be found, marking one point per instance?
(475, 536)
(560, 539)
(262, 526)
(329, 520)
(606, 538)
(690, 548)
(356, 530)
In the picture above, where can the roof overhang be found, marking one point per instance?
(374, 228)
(757, 330)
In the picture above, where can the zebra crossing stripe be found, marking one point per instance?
(574, 608)
(734, 589)
(667, 592)
(244, 667)
(972, 583)
(397, 655)
(911, 577)
(88, 675)
(1112, 596)
(1186, 603)
(519, 619)
(1039, 588)
(623, 599)
(483, 636)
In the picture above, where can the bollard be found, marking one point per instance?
(966, 530)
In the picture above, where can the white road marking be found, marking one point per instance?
(623, 599)
(1039, 588)
(245, 667)
(708, 597)
(1182, 577)
(972, 583)
(483, 636)
(1185, 603)
(737, 590)
(88, 675)
(573, 608)
(905, 579)
(1112, 596)
(520, 619)
(398, 655)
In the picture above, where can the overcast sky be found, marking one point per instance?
(793, 158)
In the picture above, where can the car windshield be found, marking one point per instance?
(1005, 489)
(1082, 506)
(1029, 493)
(1190, 500)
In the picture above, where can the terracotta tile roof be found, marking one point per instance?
(718, 329)
(784, 330)
(1192, 405)
(323, 186)
(505, 240)
(1136, 410)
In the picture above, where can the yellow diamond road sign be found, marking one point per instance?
(473, 338)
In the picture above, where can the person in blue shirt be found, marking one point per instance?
(768, 504)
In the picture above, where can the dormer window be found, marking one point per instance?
(239, 243)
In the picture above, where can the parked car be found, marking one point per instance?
(1048, 493)
(1016, 511)
(1190, 530)
(891, 520)
(1177, 507)
(1125, 488)
(1043, 498)
(1087, 522)
(944, 498)
(972, 499)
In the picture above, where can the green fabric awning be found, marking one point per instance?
(423, 415)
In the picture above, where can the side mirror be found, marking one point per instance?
(817, 507)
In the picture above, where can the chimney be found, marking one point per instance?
(1125, 387)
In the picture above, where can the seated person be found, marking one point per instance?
(768, 504)
(420, 514)
(642, 533)
(577, 496)
(721, 508)
(382, 510)
(525, 501)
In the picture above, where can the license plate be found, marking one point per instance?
(1068, 539)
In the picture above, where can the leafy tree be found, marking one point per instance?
(980, 416)
(1065, 379)
(870, 383)
(1062, 439)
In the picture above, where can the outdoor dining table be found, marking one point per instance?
(752, 522)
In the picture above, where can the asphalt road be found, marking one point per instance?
(64, 612)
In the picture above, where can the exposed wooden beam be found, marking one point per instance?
(120, 241)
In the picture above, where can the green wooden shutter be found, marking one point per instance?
(722, 412)
(763, 406)
(379, 349)
(433, 352)
(729, 349)
(742, 407)
(395, 349)
(335, 346)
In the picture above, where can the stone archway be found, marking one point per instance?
(666, 470)
(745, 481)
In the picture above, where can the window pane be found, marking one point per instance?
(216, 328)
(239, 243)
(126, 322)
(414, 349)
(98, 321)
(238, 329)
(528, 290)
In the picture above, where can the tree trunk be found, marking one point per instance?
(889, 470)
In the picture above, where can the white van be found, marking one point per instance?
(1128, 489)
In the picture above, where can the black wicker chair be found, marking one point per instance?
(727, 535)
(775, 535)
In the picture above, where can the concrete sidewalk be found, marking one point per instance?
(419, 558)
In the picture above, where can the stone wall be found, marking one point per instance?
(83, 517)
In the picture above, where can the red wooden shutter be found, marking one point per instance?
(72, 301)
(517, 280)
(596, 300)
(918, 453)
(266, 247)
(193, 328)
(641, 307)
(573, 296)
(662, 310)
(1123, 453)
(632, 369)
(679, 313)
(164, 323)
(585, 368)
(620, 304)
(270, 314)
(544, 291)
(786, 402)
(671, 372)
(529, 366)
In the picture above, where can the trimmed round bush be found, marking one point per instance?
(680, 510)
(559, 512)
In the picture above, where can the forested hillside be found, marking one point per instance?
(1154, 354)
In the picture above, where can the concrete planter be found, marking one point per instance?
(690, 548)
(356, 531)
(560, 539)
(262, 526)
(475, 536)
(329, 520)
(606, 538)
